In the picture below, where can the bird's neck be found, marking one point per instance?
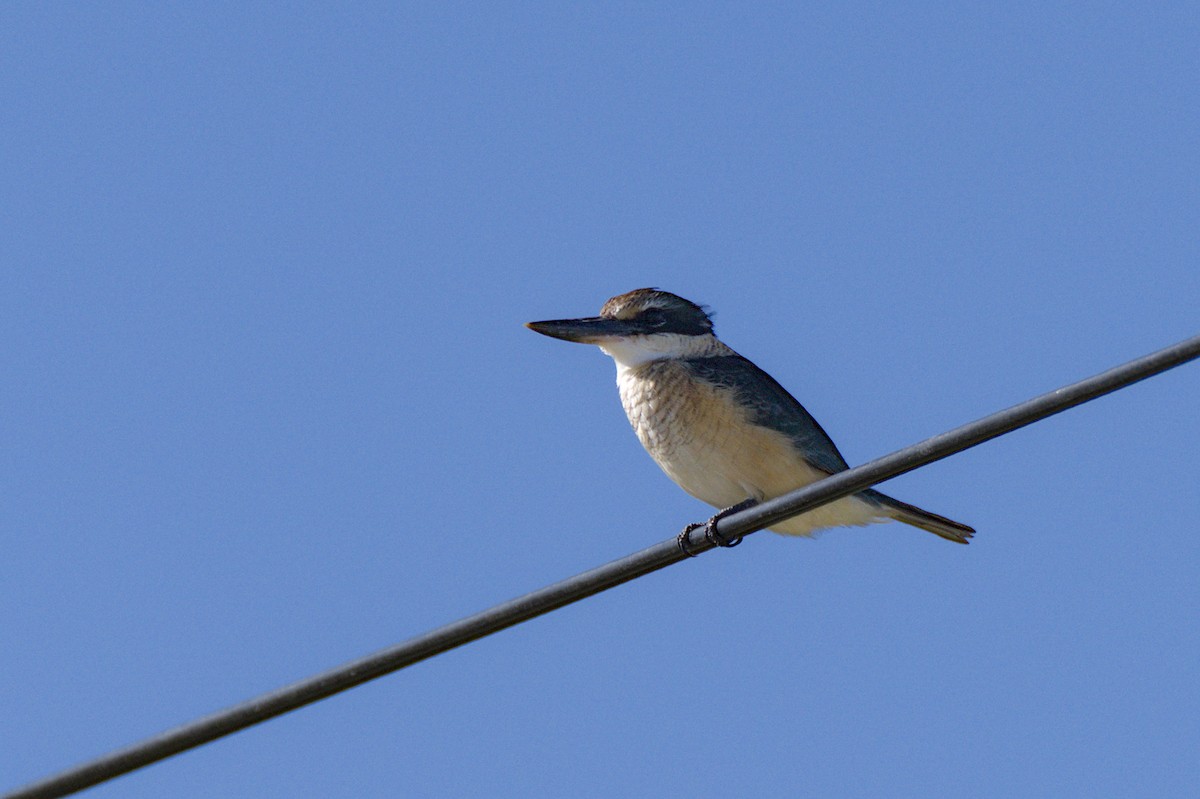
(630, 353)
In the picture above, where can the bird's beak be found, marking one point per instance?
(591, 330)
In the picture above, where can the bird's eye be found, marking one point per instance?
(654, 318)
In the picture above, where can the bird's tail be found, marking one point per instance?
(931, 522)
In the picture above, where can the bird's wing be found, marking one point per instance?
(771, 406)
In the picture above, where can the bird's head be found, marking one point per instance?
(639, 326)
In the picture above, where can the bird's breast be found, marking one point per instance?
(703, 440)
(710, 446)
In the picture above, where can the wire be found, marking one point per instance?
(531, 605)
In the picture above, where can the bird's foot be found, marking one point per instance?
(710, 529)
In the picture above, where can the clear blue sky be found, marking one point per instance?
(268, 404)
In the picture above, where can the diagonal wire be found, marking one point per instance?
(531, 605)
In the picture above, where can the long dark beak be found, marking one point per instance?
(591, 330)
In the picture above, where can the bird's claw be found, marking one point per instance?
(685, 542)
(710, 530)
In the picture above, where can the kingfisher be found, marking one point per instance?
(723, 429)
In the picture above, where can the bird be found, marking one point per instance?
(720, 427)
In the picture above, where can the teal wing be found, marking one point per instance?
(771, 406)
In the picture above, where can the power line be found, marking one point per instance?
(666, 553)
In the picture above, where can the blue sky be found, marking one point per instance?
(268, 404)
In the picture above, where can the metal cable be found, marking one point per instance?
(515, 611)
